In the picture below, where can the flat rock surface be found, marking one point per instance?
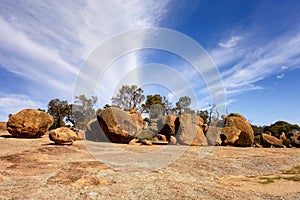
(37, 169)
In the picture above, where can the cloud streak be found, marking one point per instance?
(244, 65)
(46, 42)
(12, 103)
(231, 42)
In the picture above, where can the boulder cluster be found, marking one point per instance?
(31, 123)
(118, 126)
(127, 127)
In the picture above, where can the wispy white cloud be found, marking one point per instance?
(12, 103)
(231, 42)
(280, 76)
(25, 57)
(46, 42)
(243, 65)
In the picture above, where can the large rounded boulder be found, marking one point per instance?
(188, 131)
(233, 123)
(118, 125)
(29, 123)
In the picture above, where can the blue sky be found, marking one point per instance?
(254, 44)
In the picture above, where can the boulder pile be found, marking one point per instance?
(118, 126)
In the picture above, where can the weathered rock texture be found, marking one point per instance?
(33, 170)
(118, 126)
(229, 135)
(2, 126)
(63, 135)
(213, 136)
(29, 123)
(137, 118)
(269, 141)
(188, 133)
(246, 136)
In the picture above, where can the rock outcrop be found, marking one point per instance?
(188, 133)
(270, 141)
(246, 136)
(118, 125)
(63, 135)
(29, 123)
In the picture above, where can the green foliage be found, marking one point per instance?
(286, 142)
(183, 105)
(129, 97)
(146, 134)
(257, 139)
(156, 105)
(156, 110)
(281, 126)
(268, 180)
(258, 130)
(295, 170)
(60, 110)
(147, 120)
(83, 110)
(204, 115)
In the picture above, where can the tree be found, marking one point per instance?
(83, 110)
(210, 115)
(167, 105)
(156, 110)
(60, 110)
(156, 105)
(281, 126)
(183, 104)
(129, 97)
(204, 115)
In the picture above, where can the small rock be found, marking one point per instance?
(63, 135)
(161, 137)
(145, 142)
(173, 140)
(134, 141)
(270, 141)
